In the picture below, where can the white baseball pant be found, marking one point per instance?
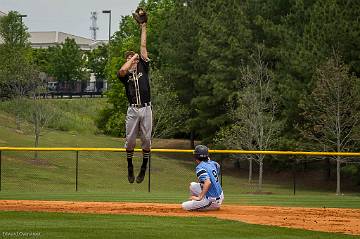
(138, 119)
(205, 204)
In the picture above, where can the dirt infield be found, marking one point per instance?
(318, 219)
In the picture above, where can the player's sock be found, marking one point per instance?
(129, 156)
(146, 156)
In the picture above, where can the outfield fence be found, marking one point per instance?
(101, 168)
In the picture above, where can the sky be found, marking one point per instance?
(70, 16)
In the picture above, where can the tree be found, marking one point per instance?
(41, 114)
(224, 44)
(330, 114)
(13, 31)
(333, 24)
(307, 35)
(97, 60)
(14, 56)
(17, 73)
(41, 58)
(67, 62)
(168, 113)
(253, 111)
(178, 52)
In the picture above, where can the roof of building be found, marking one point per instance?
(50, 38)
(56, 37)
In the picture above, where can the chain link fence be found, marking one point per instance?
(106, 172)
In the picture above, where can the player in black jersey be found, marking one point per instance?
(134, 75)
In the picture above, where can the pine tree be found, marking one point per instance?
(224, 44)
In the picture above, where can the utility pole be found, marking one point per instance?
(93, 26)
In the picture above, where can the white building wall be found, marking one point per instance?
(52, 38)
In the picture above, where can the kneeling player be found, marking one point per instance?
(207, 194)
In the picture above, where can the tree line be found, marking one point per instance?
(252, 75)
(204, 51)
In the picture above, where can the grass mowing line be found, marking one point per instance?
(178, 198)
(66, 225)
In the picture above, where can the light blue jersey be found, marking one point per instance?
(210, 170)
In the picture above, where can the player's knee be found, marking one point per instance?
(130, 145)
(193, 186)
(146, 145)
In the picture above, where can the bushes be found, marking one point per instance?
(66, 115)
(353, 171)
(111, 122)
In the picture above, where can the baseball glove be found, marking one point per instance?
(140, 15)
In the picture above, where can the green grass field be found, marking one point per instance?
(59, 225)
(102, 177)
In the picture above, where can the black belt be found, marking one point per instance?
(141, 105)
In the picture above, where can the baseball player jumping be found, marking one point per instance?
(134, 75)
(207, 194)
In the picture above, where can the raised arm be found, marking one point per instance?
(125, 68)
(143, 49)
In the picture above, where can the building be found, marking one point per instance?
(47, 39)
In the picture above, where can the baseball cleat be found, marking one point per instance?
(141, 175)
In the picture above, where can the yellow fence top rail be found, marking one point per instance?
(216, 151)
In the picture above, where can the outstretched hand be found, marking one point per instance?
(140, 15)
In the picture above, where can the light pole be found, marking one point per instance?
(22, 16)
(109, 12)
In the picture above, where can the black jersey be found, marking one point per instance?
(137, 84)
